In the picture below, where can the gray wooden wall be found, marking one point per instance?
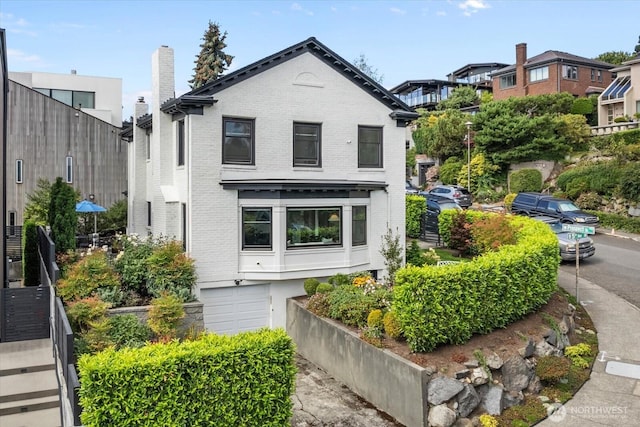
(43, 132)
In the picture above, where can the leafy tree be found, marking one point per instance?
(637, 48)
(573, 128)
(614, 57)
(115, 218)
(37, 207)
(62, 216)
(484, 175)
(462, 96)
(212, 61)
(450, 169)
(362, 64)
(441, 134)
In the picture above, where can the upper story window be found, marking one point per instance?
(147, 143)
(314, 227)
(537, 74)
(359, 225)
(180, 143)
(19, 171)
(256, 228)
(74, 98)
(570, 72)
(68, 170)
(238, 141)
(306, 144)
(369, 147)
(507, 81)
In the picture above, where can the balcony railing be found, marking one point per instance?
(613, 128)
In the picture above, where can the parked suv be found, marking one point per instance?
(435, 205)
(458, 194)
(532, 204)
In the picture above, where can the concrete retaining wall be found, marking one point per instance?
(193, 319)
(392, 384)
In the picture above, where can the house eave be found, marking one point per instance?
(301, 185)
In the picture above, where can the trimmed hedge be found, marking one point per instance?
(415, 207)
(241, 380)
(618, 222)
(448, 304)
(525, 180)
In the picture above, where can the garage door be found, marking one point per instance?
(236, 309)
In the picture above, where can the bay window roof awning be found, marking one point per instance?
(617, 88)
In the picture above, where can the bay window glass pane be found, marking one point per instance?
(314, 227)
(256, 228)
(359, 226)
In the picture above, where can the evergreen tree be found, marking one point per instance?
(31, 262)
(62, 216)
(361, 64)
(212, 61)
(37, 208)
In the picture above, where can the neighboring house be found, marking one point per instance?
(622, 97)
(551, 72)
(100, 97)
(290, 168)
(425, 94)
(478, 75)
(48, 138)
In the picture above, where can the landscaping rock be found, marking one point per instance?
(512, 399)
(563, 341)
(551, 337)
(471, 364)
(516, 374)
(492, 400)
(464, 422)
(441, 389)
(494, 361)
(535, 386)
(529, 349)
(569, 322)
(479, 376)
(543, 348)
(441, 416)
(467, 400)
(462, 374)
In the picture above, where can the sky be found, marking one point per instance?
(401, 40)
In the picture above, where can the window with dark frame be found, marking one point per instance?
(537, 74)
(238, 141)
(307, 144)
(507, 81)
(148, 214)
(69, 169)
(12, 223)
(19, 164)
(359, 225)
(369, 147)
(148, 144)
(256, 229)
(184, 226)
(570, 72)
(180, 143)
(309, 227)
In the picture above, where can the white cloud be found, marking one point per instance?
(397, 11)
(472, 6)
(298, 8)
(19, 56)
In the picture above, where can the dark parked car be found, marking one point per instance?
(532, 204)
(409, 188)
(458, 194)
(435, 205)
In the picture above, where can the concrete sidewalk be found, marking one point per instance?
(611, 397)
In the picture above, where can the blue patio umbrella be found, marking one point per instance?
(86, 206)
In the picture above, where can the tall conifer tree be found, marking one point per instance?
(212, 61)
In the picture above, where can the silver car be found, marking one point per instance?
(458, 194)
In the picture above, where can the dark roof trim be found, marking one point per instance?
(187, 104)
(554, 56)
(301, 185)
(429, 82)
(470, 67)
(145, 121)
(313, 46)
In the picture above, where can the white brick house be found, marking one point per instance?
(292, 167)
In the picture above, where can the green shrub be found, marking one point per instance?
(30, 260)
(126, 330)
(582, 106)
(630, 182)
(324, 288)
(131, 262)
(589, 200)
(490, 233)
(351, 304)
(508, 201)
(525, 180)
(450, 169)
(86, 276)
(83, 312)
(579, 354)
(415, 207)
(602, 178)
(430, 257)
(414, 254)
(310, 285)
(164, 316)
(217, 380)
(391, 325)
(552, 368)
(460, 233)
(618, 222)
(374, 319)
(319, 304)
(577, 186)
(63, 218)
(171, 270)
(339, 279)
(97, 337)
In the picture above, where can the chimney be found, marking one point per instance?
(521, 58)
(73, 72)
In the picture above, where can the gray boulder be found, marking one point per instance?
(468, 400)
(441, 389)
(529, 349)
(516, 374)
(492, 400)
(543, 348)
(494, 361)
(441, 416)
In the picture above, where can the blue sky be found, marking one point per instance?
(403, 40)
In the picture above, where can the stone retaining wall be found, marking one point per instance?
(193, 319)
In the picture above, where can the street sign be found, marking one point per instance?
(575, 236)
(578, 229)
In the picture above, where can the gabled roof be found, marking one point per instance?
(313, 46)
(551, 56)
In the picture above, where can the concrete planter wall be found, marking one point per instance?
(192, 320)
(391, 383)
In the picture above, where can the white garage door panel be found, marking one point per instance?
(237, 309)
